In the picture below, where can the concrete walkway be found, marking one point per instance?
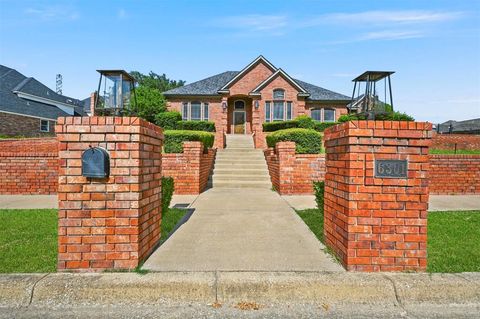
(436, 202)
(28, 201)
(241, 230)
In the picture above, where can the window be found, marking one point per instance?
(278, 94)
(328, 115)
(289, 110)
(323, 115)
(239, 105)
(185, 112)
(195, 111)
(316, 114)
(278, 114)
(44, 126)
(267, 112)
(205, 111)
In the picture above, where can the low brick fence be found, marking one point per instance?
(461, 141)
(28, 166)
(454, 174)
(190, 170)
(292, 173)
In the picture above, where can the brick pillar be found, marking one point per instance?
(93, 99)
(114, 222)
(286, 165)
(221, 130)
(377, 224)
(193, 152)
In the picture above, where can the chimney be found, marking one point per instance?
(93, 99)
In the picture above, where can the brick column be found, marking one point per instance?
(286, 164)
(377, 224)
(221, 130)
(114, 222)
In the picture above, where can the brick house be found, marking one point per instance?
(239, 102)
(29, 108)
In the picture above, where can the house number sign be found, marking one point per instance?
(391, 168)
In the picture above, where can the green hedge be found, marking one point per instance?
(391, 116)
(174, 139)
(168, 120)
(167, 192)
(303, 121)
(307, 141)
(319, 189)
(196, 126)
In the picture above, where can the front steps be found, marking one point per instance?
(240, 165)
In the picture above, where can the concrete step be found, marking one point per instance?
(240, 178)
(241, 170)
(250, 184)
(240, 156)
(237, 161)
(235, 165)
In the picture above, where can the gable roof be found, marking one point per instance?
(282, 73)
(258, 60)
(212, 86)
(13, 85)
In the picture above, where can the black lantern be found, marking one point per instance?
(115, 89)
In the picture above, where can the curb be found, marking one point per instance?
(333, 288)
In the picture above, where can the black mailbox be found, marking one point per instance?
(95, 163)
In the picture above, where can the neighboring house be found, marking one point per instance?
(239, 102)
(459, 127)
(29, 108)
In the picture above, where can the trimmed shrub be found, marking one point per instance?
(196, 126)
(390, 116)
(305, 121)
(319, 189)
(174, 139)
(307, 141)
(168, 120)
(280, 125)
(167, 192)
(321, 126)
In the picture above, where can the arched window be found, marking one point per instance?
(316, 114)
(239, 105)
(278, 94)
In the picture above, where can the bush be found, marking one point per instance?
(305, 121)
(174, 139)
(321, 126)
(280, 125)
(167, 192)
(319, 189)
(168, 120)
(390, 116)
(196, 126)
(307, 141)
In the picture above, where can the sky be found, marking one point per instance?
(433, 46)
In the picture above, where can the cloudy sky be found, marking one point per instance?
(434, 46)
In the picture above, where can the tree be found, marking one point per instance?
(149, 103)
(155, 81)
(149, 98)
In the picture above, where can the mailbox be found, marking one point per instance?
(95, 163)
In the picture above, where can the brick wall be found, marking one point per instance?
(294, 173)
(19, 125)
(454, 174)
(110, 223)
(28, 166)
(377, 224)
(190, 170)
(462, 141)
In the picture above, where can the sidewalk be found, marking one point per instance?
(241, 230)
(279, 295)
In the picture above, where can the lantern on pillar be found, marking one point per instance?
(115, 89)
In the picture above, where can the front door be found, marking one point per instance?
(239, 120)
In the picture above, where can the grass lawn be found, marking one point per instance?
(437, 151)
(453, 239)
(28, 238)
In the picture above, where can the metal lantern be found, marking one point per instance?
(115, 89)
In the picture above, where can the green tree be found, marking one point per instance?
(156, 81)
(149, 103)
